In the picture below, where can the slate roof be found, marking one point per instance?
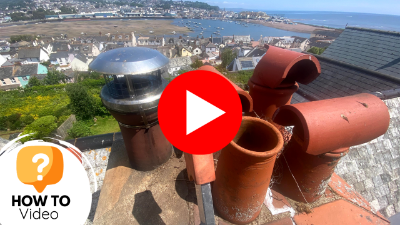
(60, 46)
(211, 45)
(256, 52)
(26, 70)
(6, 72)
(62, 54)
(318, 42)
(81, 57)
(28, 53)
(338, 79)
(371, 49)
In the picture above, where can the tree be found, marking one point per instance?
(23, 37)
(316, 50)
(40, 128)
(197, 64)
(66, 10)
(34, 81)
(54, 77)
(46, 64)
(79, 129)
(82, 103)
(227, 56)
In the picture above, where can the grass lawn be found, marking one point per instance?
(105, 125)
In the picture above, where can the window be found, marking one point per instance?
(13, 80)
(2, 81)
(120, 36)
(25, 78)
(127, 36)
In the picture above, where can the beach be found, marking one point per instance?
(299, 27)
(93, 27)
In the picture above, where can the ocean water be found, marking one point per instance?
(254, 30)
(340, 19)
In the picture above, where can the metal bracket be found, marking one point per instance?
(205, 203)
(139, 127)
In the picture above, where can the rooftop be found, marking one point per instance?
(374, 50)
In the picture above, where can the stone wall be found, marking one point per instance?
(62, 131)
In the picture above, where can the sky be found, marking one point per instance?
(364, 6)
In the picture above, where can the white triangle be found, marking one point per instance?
(199, 112)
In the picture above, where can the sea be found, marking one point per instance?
(231, 28)
(341, 19)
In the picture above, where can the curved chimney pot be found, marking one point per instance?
(245, 98)
(333, 125)
(284, 67)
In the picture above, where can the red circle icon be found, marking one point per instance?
(199, 112)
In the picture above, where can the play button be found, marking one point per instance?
(199, 112)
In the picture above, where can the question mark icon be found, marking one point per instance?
(42, 165)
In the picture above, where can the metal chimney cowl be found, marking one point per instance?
(134, 84)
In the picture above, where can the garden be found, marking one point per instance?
(44, 105)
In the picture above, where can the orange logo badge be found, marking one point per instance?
(40, 166)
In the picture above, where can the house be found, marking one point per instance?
(88, 49)
(167, 51)
(244, 50)
(184, 51)
(18, 76)
(301, 43)
(179, 63)
(48, 48)
(143, 41)
(255, 52)
(60, 46)
(7, 81)
(33, 55)
(123, 37)
(80, 63)
(284, 42)
(243, 63)
(197, 51)
(211, 48)
(236, 39)
(61, 58)
(4, 46)
(370, 49)
(2, 60)
(319, 42)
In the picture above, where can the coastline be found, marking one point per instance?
(300, 27)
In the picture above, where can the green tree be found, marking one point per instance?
(227, 56)
(66, 10)
(54, 77)
(23, 37)
(46, 64)
(197, 64)
(79, 129)
(34, 81)
(82, 103)
(316, 50)
(40, 128)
